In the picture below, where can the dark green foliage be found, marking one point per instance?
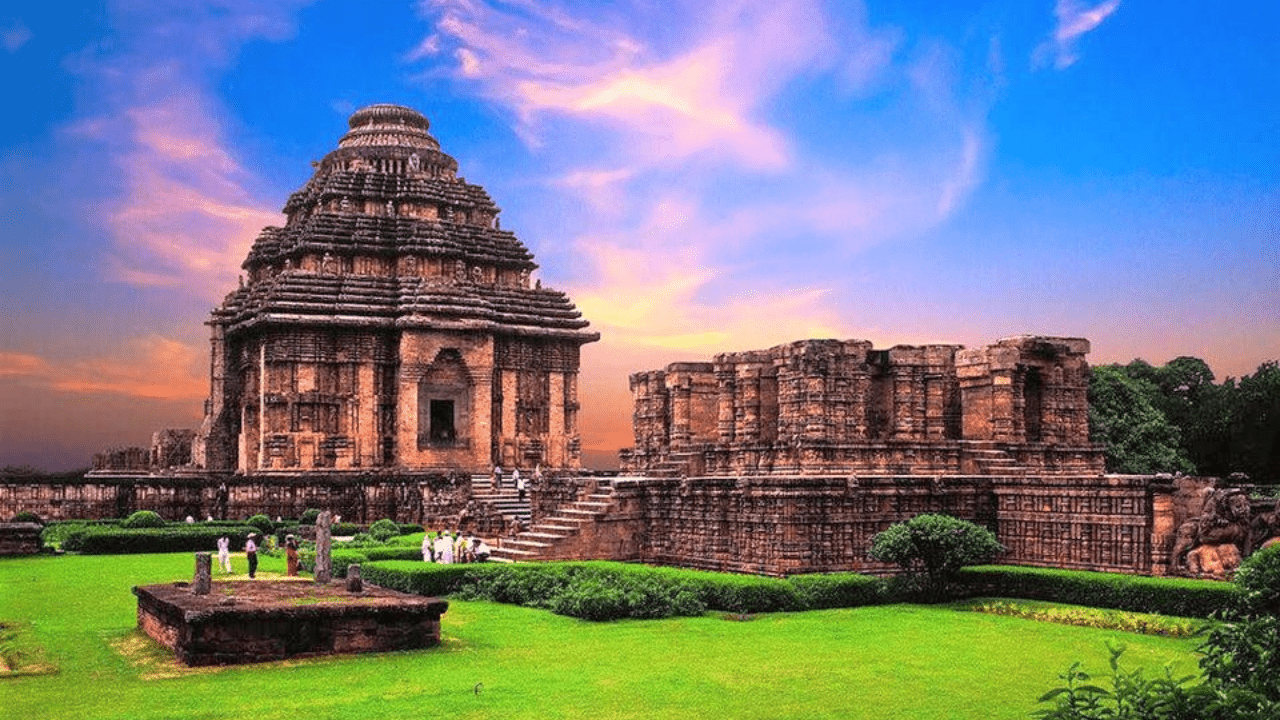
(285, 529)
(344, 529)
(384, 530)
(609, 591)
(343, 557)
(1166, 596)
(360, 540)
(1259, 580)
(840, 590)
(1173, 417)
(179, 537)
(262, 522)
(143, 519)
(932, 548)
(1254, 436)
(421, 578)
(1242, 656)
(1123, 414)
(309, 516)
(410, 528)
(1132, 696)
(1240, 661)
(56, 533)
(602, 595)
(26, 516)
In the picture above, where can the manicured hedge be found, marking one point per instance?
(172, 538)
(841, 590)
(421, 578)
(342, 557)
(1167, 596)
(608, 590)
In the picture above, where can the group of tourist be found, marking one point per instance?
(251, 554)
(447, 549)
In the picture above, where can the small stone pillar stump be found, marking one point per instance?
(354, 583)
(324, 547)
(203, 581)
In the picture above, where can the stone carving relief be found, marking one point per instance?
(1213, 544)
(415, 163)
(328, 265)
(477, 275)
(459, 272)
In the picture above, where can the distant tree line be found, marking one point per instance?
(1175, 418)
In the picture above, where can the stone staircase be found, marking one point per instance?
(988, 459)
(544, 540)
(507, 500)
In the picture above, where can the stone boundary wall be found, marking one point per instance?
(805, 524)
(425, 498)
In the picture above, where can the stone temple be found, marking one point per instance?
(391, 323)
(1020, 405)
(387, 348)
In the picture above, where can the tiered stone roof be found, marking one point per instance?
(386, 234)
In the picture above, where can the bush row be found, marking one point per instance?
(1166, 596)
(172, 538)
(342, 557)
(608, 591)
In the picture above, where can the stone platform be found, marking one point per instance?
(259, 621)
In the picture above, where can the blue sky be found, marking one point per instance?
(699, 176)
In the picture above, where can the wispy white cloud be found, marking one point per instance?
(15, 36)
(1075, 19)
(681, 115)
(183, 209)
(701, 96)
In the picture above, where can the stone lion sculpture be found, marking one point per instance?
(1213, 561)
(1226, 520)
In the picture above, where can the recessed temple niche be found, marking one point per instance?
(366, 334)
(444, 403)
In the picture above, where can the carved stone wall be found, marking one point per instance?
(842, 406)
(426, 498)
(783, 525)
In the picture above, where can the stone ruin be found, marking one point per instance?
(391, 323)
(387, 344)
(1020, 405)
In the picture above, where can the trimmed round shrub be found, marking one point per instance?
(384, 530)
(1259, 578)
(309, 517)
(26, 516)
(932, 548)
(262, 522)
(143, 519)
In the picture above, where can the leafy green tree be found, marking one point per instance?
(1123, 415)
(932, 548)
(1255, 433)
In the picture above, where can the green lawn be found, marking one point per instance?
(508, 662)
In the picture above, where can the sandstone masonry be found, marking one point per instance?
(1019, 405)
